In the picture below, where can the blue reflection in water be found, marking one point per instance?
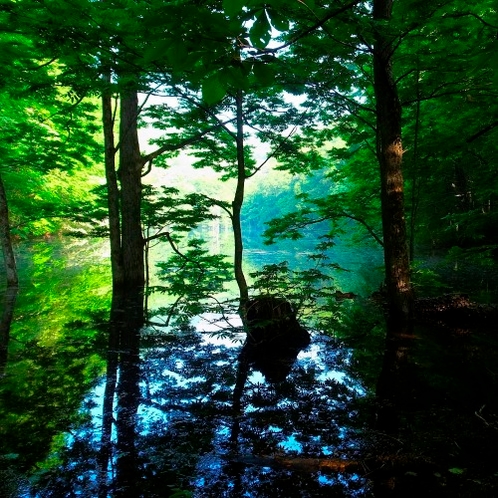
(186, 424)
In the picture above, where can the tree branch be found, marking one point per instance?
(184, 143)
(310, 30)
(207, 110)
(370, 230)
(480, 133)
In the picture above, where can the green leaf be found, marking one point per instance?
(264, 73)
(457, 471)
(177, 55)
(280, 22)
(157, 52)
(260, 32)
(236, 77)
(233, 7)
(213, 90)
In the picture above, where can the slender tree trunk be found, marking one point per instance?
(6, 241)
(237, 203)
(112, 189)
(130, 171)
(390, 153)
(415, 173)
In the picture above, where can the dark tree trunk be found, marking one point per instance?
(112, 191)
(130, 171)
(9, 303)
(6, 241)
(237, 203)
(415, 173)
(390, 153)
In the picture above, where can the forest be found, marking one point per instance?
(249, 248)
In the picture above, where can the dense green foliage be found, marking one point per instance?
(306, 73)
(49, 149)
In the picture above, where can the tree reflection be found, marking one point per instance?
(273, 358)
(123, 359)
(395, 383)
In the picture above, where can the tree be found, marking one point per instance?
(447, 91)
(358, 57)
(388, 125)
(390, 154)
(111, 52)
(248, 118)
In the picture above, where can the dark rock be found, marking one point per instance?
(273, 319)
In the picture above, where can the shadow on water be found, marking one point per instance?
(436, 425)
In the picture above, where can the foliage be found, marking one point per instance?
(427, 281)
(195, 278)
(305, 70)
(48, 146)
(310, 291)
(163, 210)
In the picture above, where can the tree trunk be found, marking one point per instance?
(112, 190)
(9, 304)
(130, 171)
(415, 173)
(6, 241)
(390, 153)
(238, 200)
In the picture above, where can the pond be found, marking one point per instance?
(185, 414)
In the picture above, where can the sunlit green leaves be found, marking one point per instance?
(192, 276)
(260, 31)
(309, 290)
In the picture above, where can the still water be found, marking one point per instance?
(181, 414)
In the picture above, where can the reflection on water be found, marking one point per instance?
(188, 413)
(240, 424)
(177, 426)
(82, 414)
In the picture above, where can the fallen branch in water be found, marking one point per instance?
(396, 463)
